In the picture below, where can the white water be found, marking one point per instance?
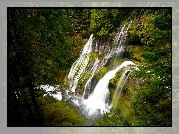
(96, 102)
(58, 96)
(97, 99)
(93, 70)
(118, 49)
(49, 90)
(120, 85)
(79, 65)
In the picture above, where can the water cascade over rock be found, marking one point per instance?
(79, 65)
(93, 101)
(93, 70)
(122, 81)
(97, 100)
(117, 50)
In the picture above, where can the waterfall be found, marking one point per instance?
(93, 70)
(97, 99)
(118, 50)
(96, 102)
(79, 65)
(120, 85)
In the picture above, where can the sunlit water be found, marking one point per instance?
(96, 103)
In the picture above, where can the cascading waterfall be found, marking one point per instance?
(120, 40)
(118, 49)
(96, 102)
(79, 65)
(120, 85)
(93, 69)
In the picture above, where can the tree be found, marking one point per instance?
(39, 51)
(105, 21)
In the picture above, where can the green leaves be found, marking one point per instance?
(148, 98)
(104, 21)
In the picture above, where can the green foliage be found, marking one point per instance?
(104, 21)
(65, 80)
(40, 52)
(136, 53)
(60, 114)
(148, 29)
(145, 99)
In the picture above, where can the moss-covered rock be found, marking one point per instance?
(60, 114)
(101, 72)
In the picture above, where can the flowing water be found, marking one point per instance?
(79, 65)
(97, 100)
(93, 70)
(94, 101)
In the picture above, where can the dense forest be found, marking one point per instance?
(44, 43)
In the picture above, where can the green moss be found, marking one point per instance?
(65, 80)
(112, 89)
(60, 114)
(82, 82)
(101, 72)
(117, 76)
(81, 90)
(137, 52)
(92, 58)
